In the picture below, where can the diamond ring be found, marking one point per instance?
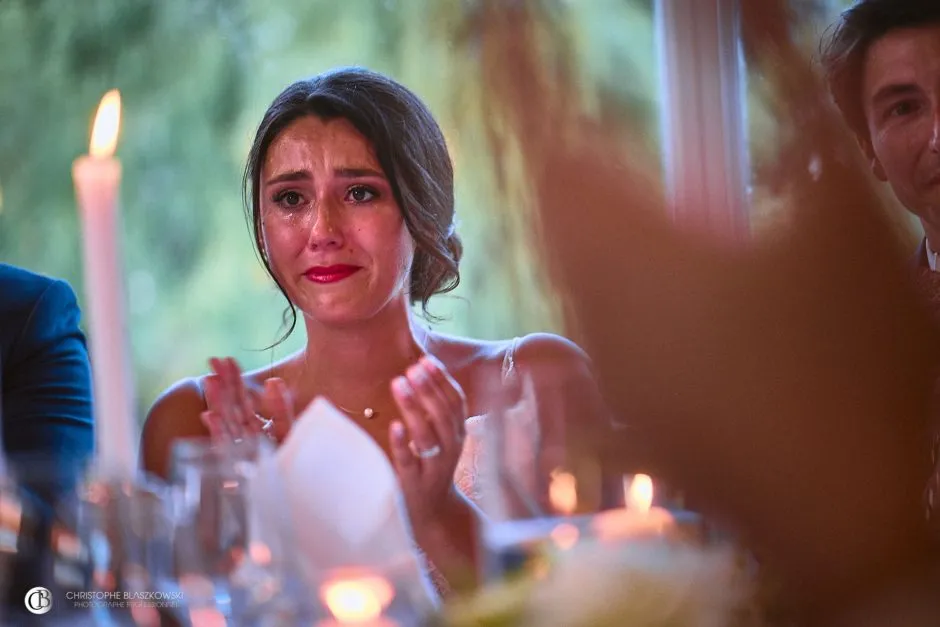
(266, 423)
(427, 453)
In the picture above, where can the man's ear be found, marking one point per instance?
(864, 143)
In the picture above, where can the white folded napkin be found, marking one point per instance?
(342, 503)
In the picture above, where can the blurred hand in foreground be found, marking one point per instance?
(782, 382)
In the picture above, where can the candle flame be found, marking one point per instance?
(357, 599)
(104, 132)
(639, 493)
(563, 492)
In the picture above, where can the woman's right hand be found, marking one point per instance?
(236, 409)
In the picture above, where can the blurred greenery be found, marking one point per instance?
(195, 77)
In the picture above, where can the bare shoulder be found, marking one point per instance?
(564, 382)
(552, 362)
(468, 357)
(285, 369)
(535, 353)
(174, 415)
(549, 356)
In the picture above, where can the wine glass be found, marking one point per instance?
(34, 491)
(113, 540)
(214, 547)
(539, 482)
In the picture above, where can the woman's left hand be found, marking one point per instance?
(426, 446)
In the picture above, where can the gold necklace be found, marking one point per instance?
(369, 412)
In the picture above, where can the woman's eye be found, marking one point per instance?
(288, 199)
(360, 194)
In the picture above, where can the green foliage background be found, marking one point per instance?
(195, 77)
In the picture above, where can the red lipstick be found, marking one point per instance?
(331, 274)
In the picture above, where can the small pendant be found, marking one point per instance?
(368, 413)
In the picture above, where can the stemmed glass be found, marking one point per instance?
(120, 528)
(223, 562)
(34, 489)
(24, 562)
(539, 482)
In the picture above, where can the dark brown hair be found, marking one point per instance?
(843, 49)
(409, 146)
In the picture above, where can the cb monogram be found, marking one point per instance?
(38, 600)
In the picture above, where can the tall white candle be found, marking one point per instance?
(97, 178)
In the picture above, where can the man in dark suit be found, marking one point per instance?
(45, 380)
(46, 401)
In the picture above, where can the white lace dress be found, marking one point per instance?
(467, 473)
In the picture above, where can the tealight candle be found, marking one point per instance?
(357, 599)
(639, 518)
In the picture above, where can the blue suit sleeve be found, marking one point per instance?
(47, 397)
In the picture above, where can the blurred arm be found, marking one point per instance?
(783, 382)
(47, 395)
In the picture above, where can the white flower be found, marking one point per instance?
(641, 584)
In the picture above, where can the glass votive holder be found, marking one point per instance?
(393, 595)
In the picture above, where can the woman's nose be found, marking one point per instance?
(326, 231)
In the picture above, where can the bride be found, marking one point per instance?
(352, 209)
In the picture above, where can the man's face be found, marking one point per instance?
(901, 95)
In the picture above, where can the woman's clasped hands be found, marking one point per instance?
(424, 444)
